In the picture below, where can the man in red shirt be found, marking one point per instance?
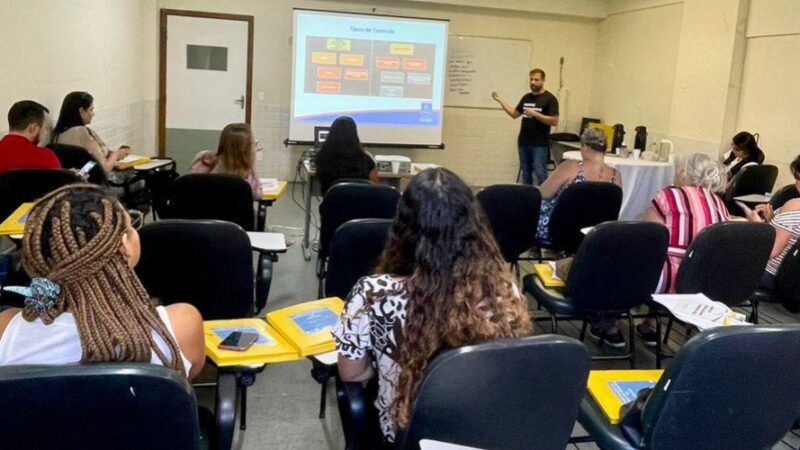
(18, 149)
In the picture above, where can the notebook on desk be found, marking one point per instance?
(307, 326)
(613, 388)
(546, 274)
(131, 161)
(270, 347)
(15, 223)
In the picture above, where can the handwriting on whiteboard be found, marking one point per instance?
(460, 70)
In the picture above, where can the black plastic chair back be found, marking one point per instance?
(752, 180)
(583, 205)
(348, 201)
(207, 263)
(211, 196)
(26, 185)
(123, 406)
(617, 266)
(783, 195)
(74, 157)
(355, 249)
(728, 387)
(509, 394)
(726, 261)
(513, 213)
(787, 280)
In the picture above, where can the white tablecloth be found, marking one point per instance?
(641, 180)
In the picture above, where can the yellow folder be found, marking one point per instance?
(613, 388)
(131, 161)
(15, 223)
(275, 193)
(545, 274)
(271, 346)
(307, 326)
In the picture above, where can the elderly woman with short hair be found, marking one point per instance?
(685, 209)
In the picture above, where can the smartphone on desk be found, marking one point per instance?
(238, 341)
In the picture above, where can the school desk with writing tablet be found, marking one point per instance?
(273, 189)
(131, 161)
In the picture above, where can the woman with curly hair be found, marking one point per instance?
(441, 283)
(85, 303)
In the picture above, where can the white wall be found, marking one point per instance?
(50, 48)
(480, 144)
(770, 89)
(637, 49)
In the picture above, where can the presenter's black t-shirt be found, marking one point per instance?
(532, 131)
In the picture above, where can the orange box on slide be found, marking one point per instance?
(346, 59)
(329, 87)
(415, 64)
(387, 62)
(356, 74)
(329, 73)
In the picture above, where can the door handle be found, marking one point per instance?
(240, 101)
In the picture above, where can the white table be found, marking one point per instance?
(641, 180)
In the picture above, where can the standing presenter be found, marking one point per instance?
(539, 111)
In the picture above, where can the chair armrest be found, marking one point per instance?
(607, 435)
(225, 411)
(358, 414)
(263, 279)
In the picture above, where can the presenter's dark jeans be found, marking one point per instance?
(533, 159)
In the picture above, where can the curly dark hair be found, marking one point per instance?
(460, 287)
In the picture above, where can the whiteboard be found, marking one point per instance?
(476, 66)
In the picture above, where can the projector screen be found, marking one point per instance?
(387, 73)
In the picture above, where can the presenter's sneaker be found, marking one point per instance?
(647, 335)
(614, 339)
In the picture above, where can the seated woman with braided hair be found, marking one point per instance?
(85, 304)
(441, 283)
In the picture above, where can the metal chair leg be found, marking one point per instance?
(323, 393)
(659, 350)
(630, 340)
(583, 330)
(669, 330)
(554, 322)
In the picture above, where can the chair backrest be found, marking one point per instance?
(617, 266)
(74, 157)
(728, 387)
(211, 196)
(726, 261)
(208, 263)
(752, 180)
(120, 405)
(355, 249)
(783, 195)
(787, 280)
(348, 201)
(26, 185)
(509, 394)
(513, 213)
(583, 205)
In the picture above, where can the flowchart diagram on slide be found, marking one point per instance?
(365, 67)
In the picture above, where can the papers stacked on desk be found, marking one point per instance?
(269, 184)
(699, 310)
(131, 161)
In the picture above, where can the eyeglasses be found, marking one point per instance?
(137, 218)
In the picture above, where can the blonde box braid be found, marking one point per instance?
(73, 237)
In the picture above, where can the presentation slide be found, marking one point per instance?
(387, 73)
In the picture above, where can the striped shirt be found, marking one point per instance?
(685, 211)
(788, 221)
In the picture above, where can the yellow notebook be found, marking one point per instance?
(613, 388)
(131, 161)
(273, 189)
(308, 326)
(15, 223)
(271, 346)
(545, 274)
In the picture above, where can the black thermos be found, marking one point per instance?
(619, 136)
(640, 141)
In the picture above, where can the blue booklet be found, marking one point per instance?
(626, 391)
(312, 322)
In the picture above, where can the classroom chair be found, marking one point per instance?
(725, 261)
(513, 214)
(26, 185)
(787, 284)
(355, 249)
(783, 195)
(581, 205)
(347, 201)
(750, 180)
(616, 268)
(124, 406)
(507, 393)
(211, 196)
(727, 388)
(74, 157)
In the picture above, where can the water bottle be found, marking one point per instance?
(623, 150)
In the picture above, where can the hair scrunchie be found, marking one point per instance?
(41, 295)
